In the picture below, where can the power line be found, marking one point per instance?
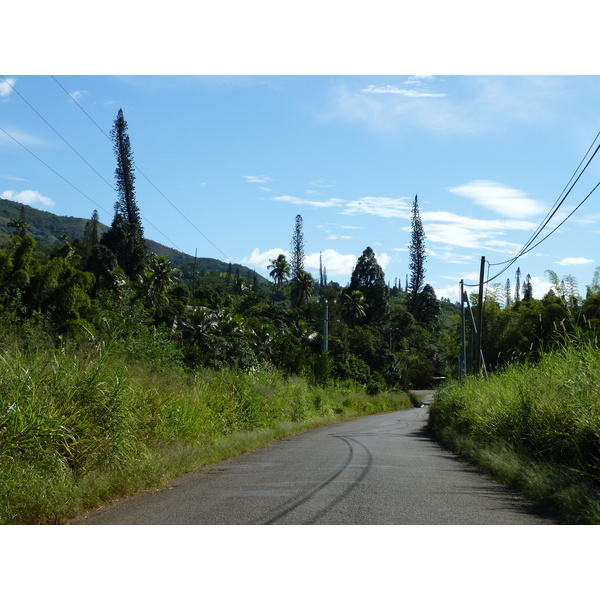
(79, 155)
(53, 170)
(141, 172)
(559, 202)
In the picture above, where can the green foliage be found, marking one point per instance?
(368, 277)
(417, 258)
(81, 424)
(543, 418)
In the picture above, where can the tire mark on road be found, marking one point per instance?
(313, 492)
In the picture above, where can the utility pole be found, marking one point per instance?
(326, 327)
(479, 354)
(462, 359)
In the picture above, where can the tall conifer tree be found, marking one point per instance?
(417, 257)
(126, 236)
(297, 250)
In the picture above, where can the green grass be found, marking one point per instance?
(82, 427)
(534, 427)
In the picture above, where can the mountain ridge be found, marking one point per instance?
(49, 229)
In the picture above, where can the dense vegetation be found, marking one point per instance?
(534, 423)
(123, 363)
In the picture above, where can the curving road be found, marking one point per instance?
(381, 469)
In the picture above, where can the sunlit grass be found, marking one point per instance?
(536, 427)
(79, 428)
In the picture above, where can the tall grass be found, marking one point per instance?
(536, 427)
(82, 426)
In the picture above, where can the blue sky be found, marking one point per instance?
(227, 162)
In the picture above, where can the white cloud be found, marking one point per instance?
(565, 262)
(500, 198)
(27, 197)
(78, 94)
(260, 260)
(450, 257)
(9, 136)
(336, 264)
(418, 79)
(391, 89)
(12, 178)
(331, 203)
(6, 87)
(378, 206)
(257, 178)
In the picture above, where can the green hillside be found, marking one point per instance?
(49, 229)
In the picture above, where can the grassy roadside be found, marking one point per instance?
(79, 429)
(533, 427)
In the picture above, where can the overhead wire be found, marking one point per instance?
(142, 173)
(78, 154)
(559, 202)
(52, 169)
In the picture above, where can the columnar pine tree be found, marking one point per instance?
(527, 289)
(321, 281)
(417, 257)
(507, 297)
(91, 235)
(297, 249)
(126, 238)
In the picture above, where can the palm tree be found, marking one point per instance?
(19, 225)
(354, 305)
(281, 270)
(157, 279)
(302, 287)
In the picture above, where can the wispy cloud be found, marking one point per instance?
(379, 206)
(6, 87)
(418, 79)
(257, 178)
(500, 198)
(28, 197)
(13, 178)
(78, 95)
(565, 262)
(452, 106)
(406, 93)
(445, 228)
(15, 135)
(331, 203)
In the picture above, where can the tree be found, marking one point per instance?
(369, 278)
(280, 270)
(429, 308)
(19, 224)
(126, 239)
(507, 296)
(90, 234)
(321, 277)
(297, 248)
(527, 289)
(518, 285)
(302, 287)
(417, 257)
(158, 277)
(354, 305)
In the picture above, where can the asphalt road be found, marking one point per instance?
(381, 469)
